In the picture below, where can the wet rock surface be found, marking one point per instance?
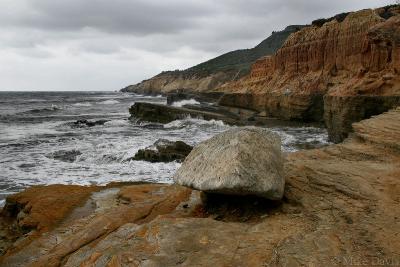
(65, 155)
(87, 123)
(164, 114)
(242, 161)
(164, 151)
(37, 210)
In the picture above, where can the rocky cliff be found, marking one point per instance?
(340, 208)
(215, 72)
(172, 81)
(352, 55)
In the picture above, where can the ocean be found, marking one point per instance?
(41, 143)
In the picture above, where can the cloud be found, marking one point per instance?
(102, 44)
(139, 17)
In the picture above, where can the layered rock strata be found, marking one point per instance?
(215, 72)
(358, 56)
(172, 81)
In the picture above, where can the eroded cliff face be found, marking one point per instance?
(356, 57)
(172, 81)
(215, 72)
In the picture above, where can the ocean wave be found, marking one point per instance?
(109, 102)
(182, 103)
(99, 159)
(40, 110)
(294, 139)
(117, 123)
(286, 139)
(191, 121)
(82, 104)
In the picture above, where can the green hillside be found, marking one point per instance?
(239, 61)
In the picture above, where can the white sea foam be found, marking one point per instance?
(56, 107)
(286, 139)
(185, 102)
(105, 150)
(193, 121)
(82, 104)
(109, 102)
(117, 123)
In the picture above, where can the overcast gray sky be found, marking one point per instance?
(108, 44)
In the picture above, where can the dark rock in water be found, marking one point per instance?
(342, 111)
(164, 151)
(27, 165)
(86, 123)
(305, 108)
(65, 155)
(164, 114)
(154, 126)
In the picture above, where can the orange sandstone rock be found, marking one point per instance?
(43, 207)
(356, 57)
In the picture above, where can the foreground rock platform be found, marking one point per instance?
(240, 161)
(340, 208)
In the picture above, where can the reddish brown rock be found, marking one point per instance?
(171, 81)
(35, 207)
(355, 57)
(114, 207)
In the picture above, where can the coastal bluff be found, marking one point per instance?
(340, 70)
(340, 204)
(215, 72)
(334, 71)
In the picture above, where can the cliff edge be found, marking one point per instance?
(328, 71)
(213, 73)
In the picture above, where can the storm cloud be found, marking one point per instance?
(105, 45)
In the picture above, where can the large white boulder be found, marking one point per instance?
(240, 161)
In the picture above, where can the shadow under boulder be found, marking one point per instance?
(229, 208)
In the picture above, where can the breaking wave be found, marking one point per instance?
(109, 102)
(40, 110)
(192, 121)
(182, 103)
(82, 104)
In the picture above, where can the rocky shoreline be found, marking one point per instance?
(237, 199)
(336, 71)
(340, 203)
